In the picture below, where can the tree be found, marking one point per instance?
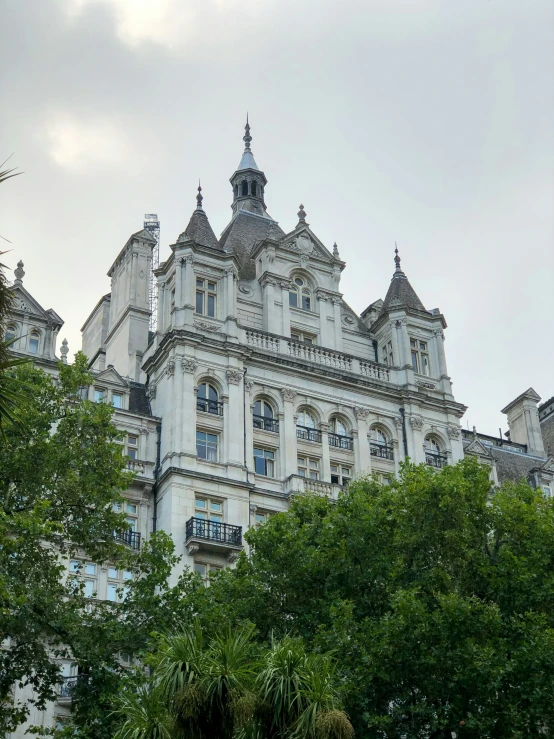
(436, 597)
(232, 687)
(61, 470)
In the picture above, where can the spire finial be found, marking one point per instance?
(336, 251)
(64, 350)
(397, 258)
(247, 138)
(19, 273)
(301, 214)
(199, 197)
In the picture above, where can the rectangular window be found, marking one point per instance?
(303, 336)
(33, 345)
(132, 446)
(205, 570)
(206, 446)
(113, 573)
(206, 291)
(90, 568)
(387, 354)
(308, 467)
(172, 300)
(117, 400)
(131, 508)
(99, 395)
(264, 462)
(74, 566)
(127, 575)
(340, 474)
(261, 517)
(208, 509)
(420, 357)
(90, 588)
(112, 592)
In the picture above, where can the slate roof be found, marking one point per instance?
(242, 233)
(138, 401)
(247, 161)
(512, 466)
(200, 231)
(401, 294)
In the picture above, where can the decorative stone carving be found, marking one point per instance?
(424, 383)
(288, 394)
(64, 349)
(245, 289)
(324, 427)
(144, 431)
(232, 557)
(398, 422)
(189, 260)
(266, 280)
(361, 413)
(232, 271)
(192, 549)
(253, 509)
(188, 364)
(249, 384)
(453, 432)
(170, 367)
(19, 273)
(234, 376)
(205, 326)
(416, 422)
(151, 392)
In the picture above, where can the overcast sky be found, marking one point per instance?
(421, 121)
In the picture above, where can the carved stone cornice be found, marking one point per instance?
(288, 394)
(267, 280)
(234, 376)
(188, 364)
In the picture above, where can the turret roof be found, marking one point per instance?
(400, 293)
(199, 229)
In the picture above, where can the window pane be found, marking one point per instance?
(211, 286)
(270, 468)
(424, 364)
(299, 282)
(307, 339)
(90, 588)
(113, 572)
(423, 346)
(74, 565)
(211, 305)
(117, 507)
(293, 299)
(217, 507)
(132, 453)
(212, 454)
(117, 400)
(294, 336)
(201, 393)
(200, 569)
(112, 592)
(259, 465)
(132, 523)
(132, 440)
(260, 518)
(413, 343)
(200, 503)
(314, 464)
(98, 396)
(127, 575)
(199, 302)
(306, 303)
(90, 568)
(131, 508)
(33, 346)
(199, 282)
(415, 363)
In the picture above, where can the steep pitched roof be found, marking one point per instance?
(400, 293)
(242, 233)
(200, 231)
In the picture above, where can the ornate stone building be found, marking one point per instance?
(260, 382)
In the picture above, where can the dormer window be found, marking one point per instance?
(34, 340)
(117, 400)
(99, 395)
(300, 295)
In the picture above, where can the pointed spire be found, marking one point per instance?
(247, 138)
(400, 293)
(396, 258)
(19, 273)
(247, 161)
(199, 197)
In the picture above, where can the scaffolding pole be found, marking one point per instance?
(152, 225)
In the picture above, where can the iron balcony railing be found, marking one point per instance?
(131, 538)
(67, 686)
(383, 451)
(434, 459)
(341, 442)
(209, 406)
(225, 533)
(266, 424)
(308, 434)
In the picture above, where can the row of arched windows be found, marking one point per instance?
(246, 188)
(33, 342)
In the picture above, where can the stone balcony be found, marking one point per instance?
(326, 358)
(213, 536)
(297, 485)
(143, 469)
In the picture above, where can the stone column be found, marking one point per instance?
(362, 456)
(398, 444)
(398, 361)
(323, 322)
(190, 290)
(133, 285)
(161, 322)
(285, 330)
(249, 410)
(282, 446)
(338, 327)
(269, 306)
(178, 318)
(454, 434)
(170, 393)
(234, 422)
(188, 414)
(288, 448)
(415, 438)
(325, 453)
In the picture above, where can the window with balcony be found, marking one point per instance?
(339, 436)
(131, 536)
(386, 354)
(340, 474)
(380, 444)
(207, 399)
(131, 446)
(306, 427)
(434, 453)
(206, 445)
(308, 467)
(300, 295)
(208, 509)
(207, 525)
(34, 341)
(264, 462)
(420, 356)
(263, 417)
(206, 293)
(302, 336)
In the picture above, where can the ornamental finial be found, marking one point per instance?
(247, 138)
(301, 214)
(336, 251)
(397, 258)
(64, 349)
(19, 273)
(199, 197)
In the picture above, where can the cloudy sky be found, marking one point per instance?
(428, 122)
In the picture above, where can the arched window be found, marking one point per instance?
(207, 399)
(434, 453)
(300, 295)
(263, 417)
(10, 333)
(254, 188)
(338, 435)
(380, 443)
(244, 188)
(34, 340)
(305, 427)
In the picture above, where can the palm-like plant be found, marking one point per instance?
(144, 714)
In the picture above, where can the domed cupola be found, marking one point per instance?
(248, 181)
